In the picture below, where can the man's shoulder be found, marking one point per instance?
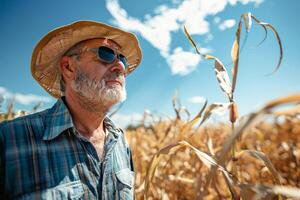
(20, 124)
(20, 120)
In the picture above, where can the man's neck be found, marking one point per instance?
(89, 123)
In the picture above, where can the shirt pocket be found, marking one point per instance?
(125, 184)
(70, 190)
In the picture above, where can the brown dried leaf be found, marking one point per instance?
(195, 119)
(222, 76)
(248, 21)
(265, 37)
(212, 107)
(231, 186)
(289, 111)
(170, 149)
(251, 119)
(266, 25)
(210, 146)
(176, 105)
(255, 192)
(293, 99)
(267, 162)
(246, 123)
(204, 157)
(286, 191)
(191, 40)
(235, 55)
(258, 191)
(185, 110)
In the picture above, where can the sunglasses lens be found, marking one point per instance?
(123, 60)
(106, 54)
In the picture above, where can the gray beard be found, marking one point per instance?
(94, 95)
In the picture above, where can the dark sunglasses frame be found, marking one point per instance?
(102, 50)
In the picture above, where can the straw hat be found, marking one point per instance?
(47, 53)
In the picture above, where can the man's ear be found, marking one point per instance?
(67, 67)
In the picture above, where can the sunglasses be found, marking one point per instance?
(108, 55)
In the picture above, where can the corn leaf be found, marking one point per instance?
(252, 117)
(195, 119)
(231, 186)
(266, 161)
(247, 17)
(213, 107)
(210, 146)
(235, 56)
(248, 21)
(191, 40)
(289, 111)
(269, 26)
(246, 123)
(170, 149)
(265, 37)
(290, 99)
(222, 76)
(257, 191)
(176, 105)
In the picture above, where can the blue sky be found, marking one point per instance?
(169, 62)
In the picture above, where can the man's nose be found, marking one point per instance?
(118, 67)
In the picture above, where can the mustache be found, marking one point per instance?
(96, 83)
(114, 76)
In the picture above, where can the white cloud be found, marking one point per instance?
(123, 120)
(24, 99)
(221, 110)
(183, 62)
(158, 28)
(229, 23)
(146, 118)
(244, 2)
(197, 100)
(217, 20)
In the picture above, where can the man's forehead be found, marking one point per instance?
(101, 41)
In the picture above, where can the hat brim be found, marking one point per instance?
(47, 53)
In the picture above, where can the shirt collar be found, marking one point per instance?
(59, 119)
(111, 128)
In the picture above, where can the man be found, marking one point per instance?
(73, 150)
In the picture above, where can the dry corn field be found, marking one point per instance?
(182, 175)
(174, 160)
(239, 160)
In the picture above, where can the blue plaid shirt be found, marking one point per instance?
(42, 156)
